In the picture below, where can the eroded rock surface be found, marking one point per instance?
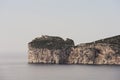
(55, 50)
(49, 49)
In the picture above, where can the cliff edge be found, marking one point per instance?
(55, 50)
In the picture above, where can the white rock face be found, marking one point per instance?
(55, 50)
(99, 53)
(49, 50)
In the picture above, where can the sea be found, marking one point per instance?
(15, 67)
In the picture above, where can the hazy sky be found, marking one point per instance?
(82, 20)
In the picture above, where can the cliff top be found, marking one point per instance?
(51, 42)
(110, 40)
(54, 42)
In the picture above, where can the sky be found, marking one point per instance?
(82, 20)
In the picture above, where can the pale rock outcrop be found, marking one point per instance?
(55, 50)
(99, 53)
(49, 49)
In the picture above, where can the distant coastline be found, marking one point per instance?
(55, 50)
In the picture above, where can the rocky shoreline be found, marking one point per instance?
(55, 50)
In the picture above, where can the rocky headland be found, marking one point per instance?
(55, 50)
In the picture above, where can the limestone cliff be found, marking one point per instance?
(55, 50)
(49, 49)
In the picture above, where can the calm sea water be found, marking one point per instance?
(15, 67)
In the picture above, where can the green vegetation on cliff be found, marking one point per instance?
(51, 42)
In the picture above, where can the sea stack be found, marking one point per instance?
(55, 50)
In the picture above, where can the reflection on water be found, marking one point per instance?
(16, 68)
